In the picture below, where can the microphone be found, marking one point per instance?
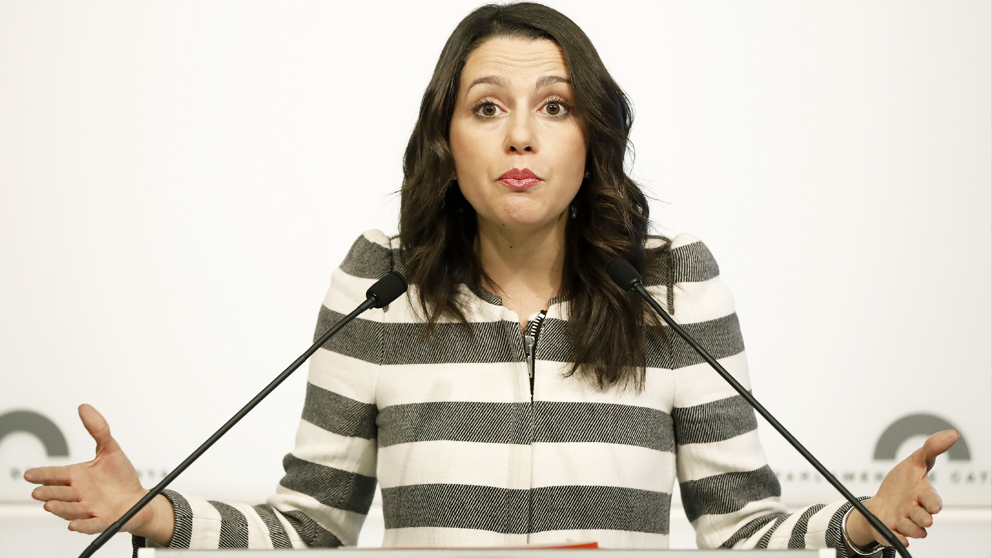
(627, 278)
(384, 291)
(387, 289)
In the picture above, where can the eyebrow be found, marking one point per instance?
(501, 81)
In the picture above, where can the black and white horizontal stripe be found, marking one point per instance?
(356, 340)
(277, 533)
(714, 421)
(555, 342)
(460, 506)
(750, 528)
(233, 526)
(555, 508)
(339, 414)
(798, 538)
(410, 343)
(510, 423)
(605, 423)
(834, 534)
(729, 492)
(693, 263)
(767, 537)
(182, 530)
(461, 421)
(182, 533)
(368, 260)
(720, 336)
(615, 508)
(312, 534)
(678, 261)
(329, 486)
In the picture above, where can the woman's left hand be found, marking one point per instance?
(906, 501)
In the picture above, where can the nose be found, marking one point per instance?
(520, 137)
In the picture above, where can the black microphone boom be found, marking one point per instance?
(384, 291)
(624, 275)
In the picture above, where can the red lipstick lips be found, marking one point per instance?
(519, 179)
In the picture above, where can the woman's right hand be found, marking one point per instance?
(94, 494)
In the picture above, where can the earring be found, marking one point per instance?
(573, 211)
(588, 174)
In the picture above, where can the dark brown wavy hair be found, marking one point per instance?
(438, 227)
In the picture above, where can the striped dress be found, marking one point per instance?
(468, 453)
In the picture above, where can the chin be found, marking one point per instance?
(527, 216)
(532, 224)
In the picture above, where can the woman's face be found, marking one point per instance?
(514, 111)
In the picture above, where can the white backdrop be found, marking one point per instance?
(178, 180)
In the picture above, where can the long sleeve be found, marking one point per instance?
(325, 495)
(730, 494)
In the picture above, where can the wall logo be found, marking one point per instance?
(918, 425)
(39, 426)
(956, 479)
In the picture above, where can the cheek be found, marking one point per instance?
(468, 147)
(467, 153)
(572, 148)
(578, 148)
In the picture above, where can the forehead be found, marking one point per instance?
(514, 57)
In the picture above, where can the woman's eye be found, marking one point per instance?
(556, 108)
(485, 109)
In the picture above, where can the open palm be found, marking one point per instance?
(94, 494)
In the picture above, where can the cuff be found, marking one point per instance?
(181, 533)
(835, 534)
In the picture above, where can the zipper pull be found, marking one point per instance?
(529, 348)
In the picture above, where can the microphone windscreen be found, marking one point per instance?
(387, 289)
(623, 274)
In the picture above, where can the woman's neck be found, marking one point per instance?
(525, 266)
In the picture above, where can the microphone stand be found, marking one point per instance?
(628, 279)
(380, 294)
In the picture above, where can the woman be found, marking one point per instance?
(516, 395)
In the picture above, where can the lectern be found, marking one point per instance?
(483, 553)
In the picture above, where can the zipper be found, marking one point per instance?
(530, 349)
(530, 346)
